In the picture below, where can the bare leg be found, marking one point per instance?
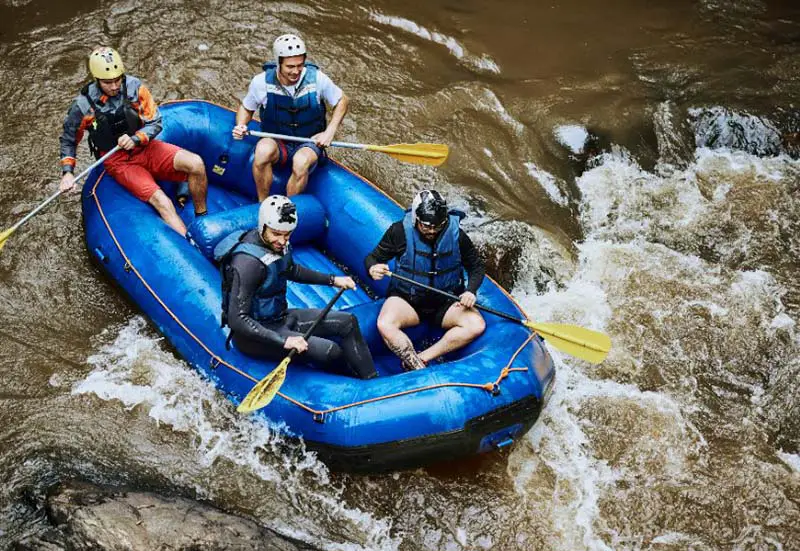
(395, 315)
(166, 210)
(463, 325)
(265, 156)
(192, 164)
(301, 163)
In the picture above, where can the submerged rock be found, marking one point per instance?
(87, 517)
(721, 127)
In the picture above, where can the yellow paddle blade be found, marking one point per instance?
(265, 390)
(433, 154)
(580, 342)
(4, 236)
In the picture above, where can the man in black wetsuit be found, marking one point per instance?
(430, 248)
(256, 267)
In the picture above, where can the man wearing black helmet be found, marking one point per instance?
(430, 248)
(255, 268)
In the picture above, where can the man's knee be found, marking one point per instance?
(387, 325)
(266, 153)
(302, 161)
(475, 325)
(349, 323)
(195, 165)
(188, 162)
(323, 351)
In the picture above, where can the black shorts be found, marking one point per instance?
(431, 309)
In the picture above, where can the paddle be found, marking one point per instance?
(580, 342)
(7, 233)
(433, 154)
(266, 389)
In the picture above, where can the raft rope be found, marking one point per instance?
(318, 415)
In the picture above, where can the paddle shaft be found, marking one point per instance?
(47, 201)
(454, 297)
(286, 138)
(324, 313)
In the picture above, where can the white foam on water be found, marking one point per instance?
(620, 200)
(673, 538)
(483, 63)
(626, 211)
(791, 459)
(572, 136)
(560, 445)
(738, 166)
(783, 322)
(136, 371)
(56, 380)
(548, 183)
(559, 441)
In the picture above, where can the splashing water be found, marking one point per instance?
(136, 371)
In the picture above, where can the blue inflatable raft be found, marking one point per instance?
(479, 398)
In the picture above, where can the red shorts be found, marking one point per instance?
(138, 171)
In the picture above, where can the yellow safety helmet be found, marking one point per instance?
(105, 63)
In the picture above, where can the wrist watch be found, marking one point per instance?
(331, 280)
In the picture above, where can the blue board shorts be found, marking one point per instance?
(286, 151)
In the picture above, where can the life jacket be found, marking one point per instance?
(269, 301)
(301, 114)
(437, 265)
(111, 123)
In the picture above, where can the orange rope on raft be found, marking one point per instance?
(489, 387)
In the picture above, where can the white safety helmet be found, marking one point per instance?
(277, 212)
(288, 45)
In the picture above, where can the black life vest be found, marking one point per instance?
(109, 125)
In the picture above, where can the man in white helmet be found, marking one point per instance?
(431, 248)
(117, 109)
(255, 268)
(290, 96)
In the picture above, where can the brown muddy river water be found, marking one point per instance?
(627, 166)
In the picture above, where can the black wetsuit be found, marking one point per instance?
(266, 340)
(430, 306)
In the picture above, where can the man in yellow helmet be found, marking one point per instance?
(117, 109)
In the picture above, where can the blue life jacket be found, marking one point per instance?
(269, 300)
(301, 115)
(437, 266)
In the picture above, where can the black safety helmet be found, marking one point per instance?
(430, 208)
